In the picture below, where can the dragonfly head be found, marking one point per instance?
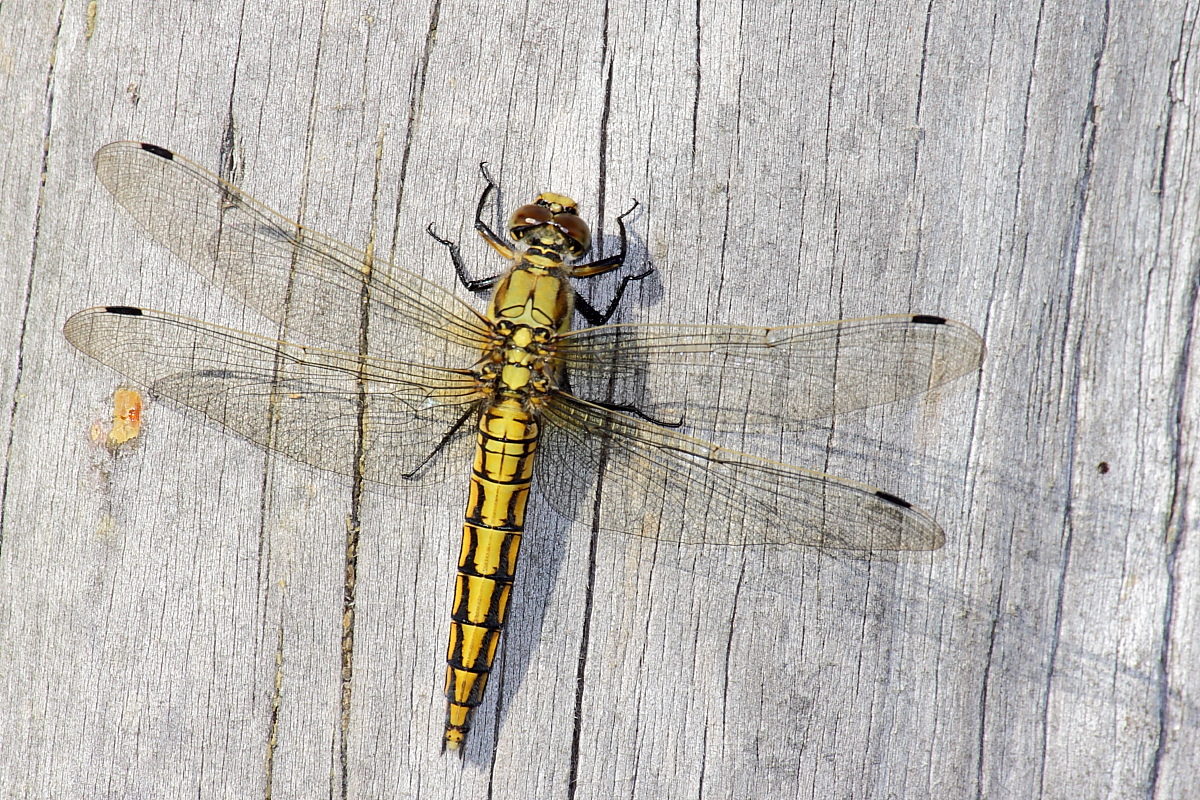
(551, 223)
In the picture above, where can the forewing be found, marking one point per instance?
(335, 411)
(664, 485)
(308, 282)
(728, 378)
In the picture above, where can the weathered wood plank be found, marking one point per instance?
(174, 616)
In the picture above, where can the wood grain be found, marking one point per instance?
(174, 617)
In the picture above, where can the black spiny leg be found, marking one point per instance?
(602, 265)
(490, 236)
(594, 317)
(460, 268)
(599, 267)
(441, 445)
(634, 411)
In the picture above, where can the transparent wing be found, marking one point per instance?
(677, 488)
(722, 378)
(333, 410)
(301, 279)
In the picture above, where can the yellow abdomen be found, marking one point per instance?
(495, 518)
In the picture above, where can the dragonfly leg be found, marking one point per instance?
(490, 236)
(450, 434)
(634, 411)
(460, 267)
(602, 265)
(599, 267)
(595, 317)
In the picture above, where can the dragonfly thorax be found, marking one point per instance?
(533, 295)
(518, 364)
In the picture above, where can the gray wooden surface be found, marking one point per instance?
(173, 616)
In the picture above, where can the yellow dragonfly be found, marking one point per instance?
(404, 379)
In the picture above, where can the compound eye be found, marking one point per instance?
(575, 229)
(528, 216)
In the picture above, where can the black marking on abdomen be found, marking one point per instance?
(493, 619)
(506, 566)
(457, 664)
(502, 528)
(485, 477)
(514, 510)
(523, 440)
(476, 695)
(510, 530)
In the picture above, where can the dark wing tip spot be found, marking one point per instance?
(891, 498)
(128, 311)
(161, 152)
(928, 319)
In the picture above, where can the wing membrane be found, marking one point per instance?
(676, 488)
(723, 378)
(301, 279)
(319, 407)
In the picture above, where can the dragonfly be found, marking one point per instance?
(403, 382)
